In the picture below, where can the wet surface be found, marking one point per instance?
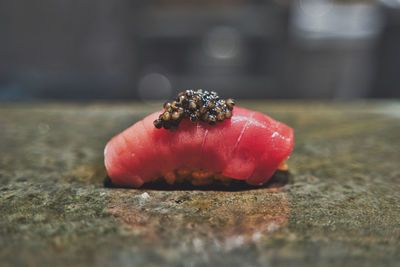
(202, 216)
(338, 205)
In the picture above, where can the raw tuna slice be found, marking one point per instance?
(249, 146)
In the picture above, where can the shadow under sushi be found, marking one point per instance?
(279, 179)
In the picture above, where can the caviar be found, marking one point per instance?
(196, 106)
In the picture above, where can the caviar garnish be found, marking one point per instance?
(175, 115)
(158, 124)
(166, 116)
(196, 106)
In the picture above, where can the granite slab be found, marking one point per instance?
(338, 205)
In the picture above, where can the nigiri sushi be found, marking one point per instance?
(201, 138)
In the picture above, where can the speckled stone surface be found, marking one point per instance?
(341, 205)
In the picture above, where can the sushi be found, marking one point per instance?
(201, 138)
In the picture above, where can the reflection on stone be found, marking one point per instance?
(202, 218)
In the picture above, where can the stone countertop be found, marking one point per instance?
(339, 205)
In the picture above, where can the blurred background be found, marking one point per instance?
(125, 49)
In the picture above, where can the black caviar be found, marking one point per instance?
(199, 105)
